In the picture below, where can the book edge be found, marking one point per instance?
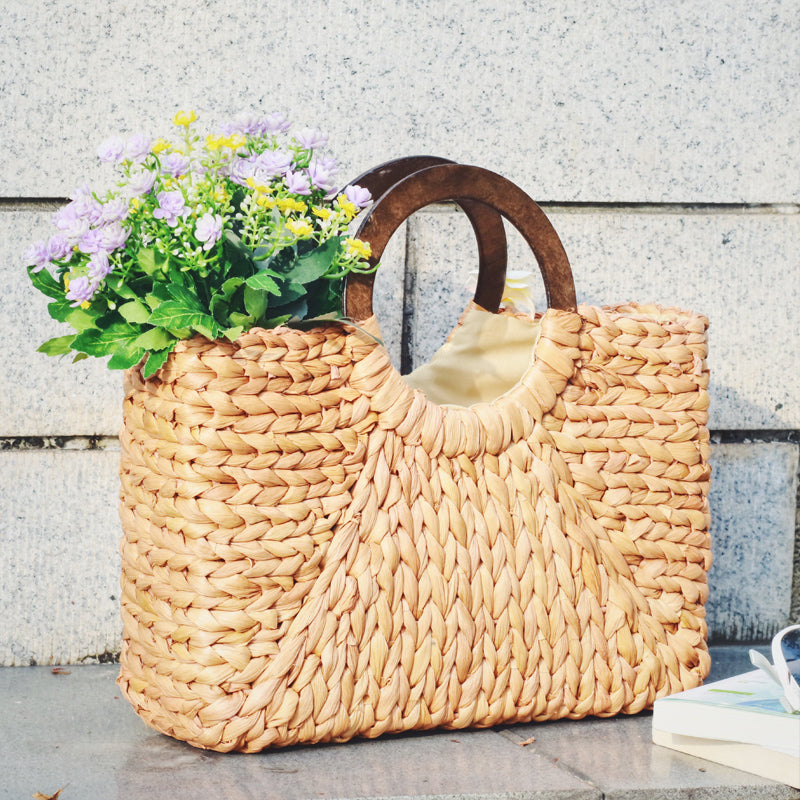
(754, 759)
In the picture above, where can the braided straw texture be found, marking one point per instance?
(313, 551)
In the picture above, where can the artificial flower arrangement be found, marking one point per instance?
(207, 235)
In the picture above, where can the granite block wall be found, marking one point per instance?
(661, 139)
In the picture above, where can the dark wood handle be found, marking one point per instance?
(482, 188)
(486, 223)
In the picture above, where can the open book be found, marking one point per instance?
(748, 721)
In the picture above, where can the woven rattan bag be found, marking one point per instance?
(313, 550)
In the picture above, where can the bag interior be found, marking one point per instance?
(483, 358)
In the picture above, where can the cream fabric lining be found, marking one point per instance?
(484, 357)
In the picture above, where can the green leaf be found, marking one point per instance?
(265, 281)
(238, 255)
(60, 309)
(96, 342)
(230, 286)
(46, 283)
(126, 357)
(117, 285)
(79, 357)
(175, 316)
(81, 318)
(134, 311)
(275, 321)
(155, 361)
(256, 301)
(233, 333)
(317, 262)
(149, 260)
(241, 320)
(219, 308)
(155, 339)
(160, 294)
(296, 310)
(58, 346)
(281, 263)
(183, 295)
(291, 292)
(220, 302)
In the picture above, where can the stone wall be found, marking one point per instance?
(661, 139)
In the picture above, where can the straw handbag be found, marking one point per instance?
(315, 550)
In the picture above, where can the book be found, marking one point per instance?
(739, 722)
(777, 765)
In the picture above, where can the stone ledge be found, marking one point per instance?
(74, 730)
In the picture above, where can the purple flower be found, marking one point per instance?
(111, 150)
(113, 237)
(41, 254)
(98, 267)
(81, 192)
(71, 225)
(141, 183)
(328, 163)
(58, 247)
(241, 169)
(80, 290)
(175, 164)
(273, 162)
(171, 206)
(114, 210)
(208, 230)
(358, 196)
(311, 138)
(297, 183)
(276, 123)
(137, 148)
(84, 205)
(247, 123)
(37, 256)
(320, 177)
(92, 241)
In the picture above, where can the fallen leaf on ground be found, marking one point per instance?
(60, 671)
(40, 796)
(527, 741)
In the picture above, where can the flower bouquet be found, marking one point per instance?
(210, 235)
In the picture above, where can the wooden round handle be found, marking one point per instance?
(486, 223)
(481, 188)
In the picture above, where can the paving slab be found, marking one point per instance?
(617, 756)
(72, 730)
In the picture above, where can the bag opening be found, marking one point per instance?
(483, 358)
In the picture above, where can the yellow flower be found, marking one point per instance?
(214, 142)
(234, 141)
(299, 227)
(355, 247)
(323, 213)
(349, 208)
(160, 145)
(290, 204)
(221, 195)
(265, 202)
(134, 205)
(259, 187)
(184, 118)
